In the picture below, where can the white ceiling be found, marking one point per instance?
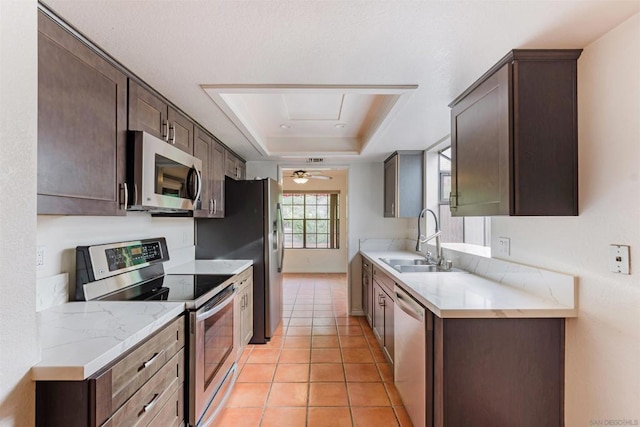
(182, 46)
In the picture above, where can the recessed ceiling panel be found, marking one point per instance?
(292, 119)
(313, 106)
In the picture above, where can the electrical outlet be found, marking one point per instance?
(504, 246)
(40, 256)
(619, 259)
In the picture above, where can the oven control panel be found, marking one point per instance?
(132, 255)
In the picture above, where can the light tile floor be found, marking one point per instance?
(323, 367)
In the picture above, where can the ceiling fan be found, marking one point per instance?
(301, 176)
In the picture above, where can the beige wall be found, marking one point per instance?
(603, 343)
(18, 127)
(320, 260)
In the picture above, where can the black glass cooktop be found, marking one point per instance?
(192, 289)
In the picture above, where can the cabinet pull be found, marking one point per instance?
(123, 186)
(211, 207)
(215, 206)
(153, 359)
(135, 194)
(149, 406)
(453, 205)
(165, 130)
(172, 131)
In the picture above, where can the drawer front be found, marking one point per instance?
(385, 281)
(172, 413)
(243, 278)
(129, 374)
(366, 267)
(148, 402)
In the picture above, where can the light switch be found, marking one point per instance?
(619, 259)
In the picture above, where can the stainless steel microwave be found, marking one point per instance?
(160, 177)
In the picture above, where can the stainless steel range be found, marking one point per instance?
(133, 271)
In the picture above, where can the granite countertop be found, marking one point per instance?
(78, 339)
(466, 295)
(211, 266)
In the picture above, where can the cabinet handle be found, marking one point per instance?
(172, 138)
(135, 194)
(165, 130)
(149, 406)
(210, 206)
(153, 359)
(215, 206)
(123, 186)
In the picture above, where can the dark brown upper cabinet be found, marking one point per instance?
(207, 149)
(149, 113)
(514, 138)
(82, 121)
(234, 167)
(403, 184)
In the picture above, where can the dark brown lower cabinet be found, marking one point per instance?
(498, 372)
(145, 387)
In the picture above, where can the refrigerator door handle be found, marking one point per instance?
(280, 238)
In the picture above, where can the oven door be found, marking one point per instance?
(212, 350)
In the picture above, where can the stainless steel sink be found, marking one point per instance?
(416, 265)
(394, 262)
(424, 269)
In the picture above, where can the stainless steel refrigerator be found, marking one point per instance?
(251, 229)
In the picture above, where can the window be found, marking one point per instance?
(311, 220)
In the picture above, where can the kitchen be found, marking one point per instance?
(601, 343)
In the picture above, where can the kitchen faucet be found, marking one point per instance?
(439, 258)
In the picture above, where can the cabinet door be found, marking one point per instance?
(242, 170)
(389, 323)
(230, 165)
(237, 323)
(369, 300)
(180, 130)
(247, 314)
(390, 187)
(82, 107)
(217, 179)
(480, 142)
(147, 112)
(378, 313)
(202, 150)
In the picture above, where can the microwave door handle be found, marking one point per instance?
(199, 190)
(188, 186)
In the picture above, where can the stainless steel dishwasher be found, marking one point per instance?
(413, 367)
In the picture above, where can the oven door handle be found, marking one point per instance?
(217, 307)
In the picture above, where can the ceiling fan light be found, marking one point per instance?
(298, 180)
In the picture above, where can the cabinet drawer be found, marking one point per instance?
(148, 402)
(172, 413)
(130, 373)
(243, 278)
(385, 281)
(366, 267)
